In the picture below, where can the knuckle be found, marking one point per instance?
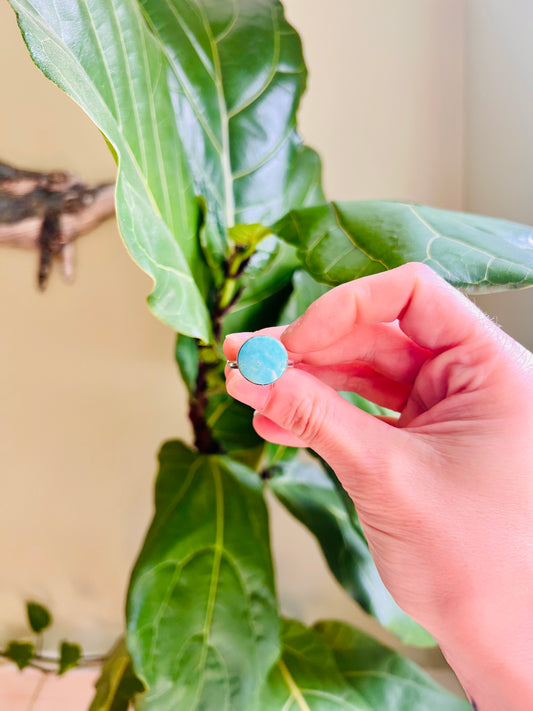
(306, 417)
(418, 269)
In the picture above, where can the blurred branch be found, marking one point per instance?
(48, 211)
(48, 664)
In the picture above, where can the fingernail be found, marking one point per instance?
(238, 335)
(291, 327)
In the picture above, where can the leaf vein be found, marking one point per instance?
(192, 39)
(183, 84)
(231, 24)
(352, 239)
(272, 71)
(104, 61)
(129, 79)
(291, 684)
(224, 123)
(156, 135)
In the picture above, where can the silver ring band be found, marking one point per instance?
(235, 366)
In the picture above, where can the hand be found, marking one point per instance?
(445, 493)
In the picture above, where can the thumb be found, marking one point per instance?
(349, 439)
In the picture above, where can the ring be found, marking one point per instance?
(261, 360)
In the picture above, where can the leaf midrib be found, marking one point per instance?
(291, 684)
(218, 549)
(353, 240)
(227, 173)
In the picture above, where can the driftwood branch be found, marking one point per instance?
(48, 211)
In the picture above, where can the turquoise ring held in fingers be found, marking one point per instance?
(262, 360)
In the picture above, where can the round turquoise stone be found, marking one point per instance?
(262, 360)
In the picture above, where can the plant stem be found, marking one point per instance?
(36, 692)
(203, 438)
(45, 663)
(210, 356)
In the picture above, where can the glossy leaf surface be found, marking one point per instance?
(187, 359)
(230, 423)
(305, 290)
(166, 84)
(237, 117)
(311, 496)
(385, 679)
(306, 678)
(338, 242)
(203, 629)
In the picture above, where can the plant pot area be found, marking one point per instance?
(31, 690)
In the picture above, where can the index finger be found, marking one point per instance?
(430, 311)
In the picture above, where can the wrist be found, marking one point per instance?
(491, 652)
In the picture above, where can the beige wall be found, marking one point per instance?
(88, 385)
(384, 105)
(499, 132)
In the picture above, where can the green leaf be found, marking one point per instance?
(338, 242)
(20, 652)
(381, 676)
(312, 497)
(104, 56)
(231, 423)
(267, 284)
(276, 453)
(231, 426)
(239, 116)
(305, 290)
(39, 618)
(245, 240)
(306, 678)
(69, 656)
(166, 85)
(367, 405)
(203, 630)
(117, 684)
(334, 667)
(248, 235)
(187, 360)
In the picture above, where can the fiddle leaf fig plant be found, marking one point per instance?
(221, 203)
